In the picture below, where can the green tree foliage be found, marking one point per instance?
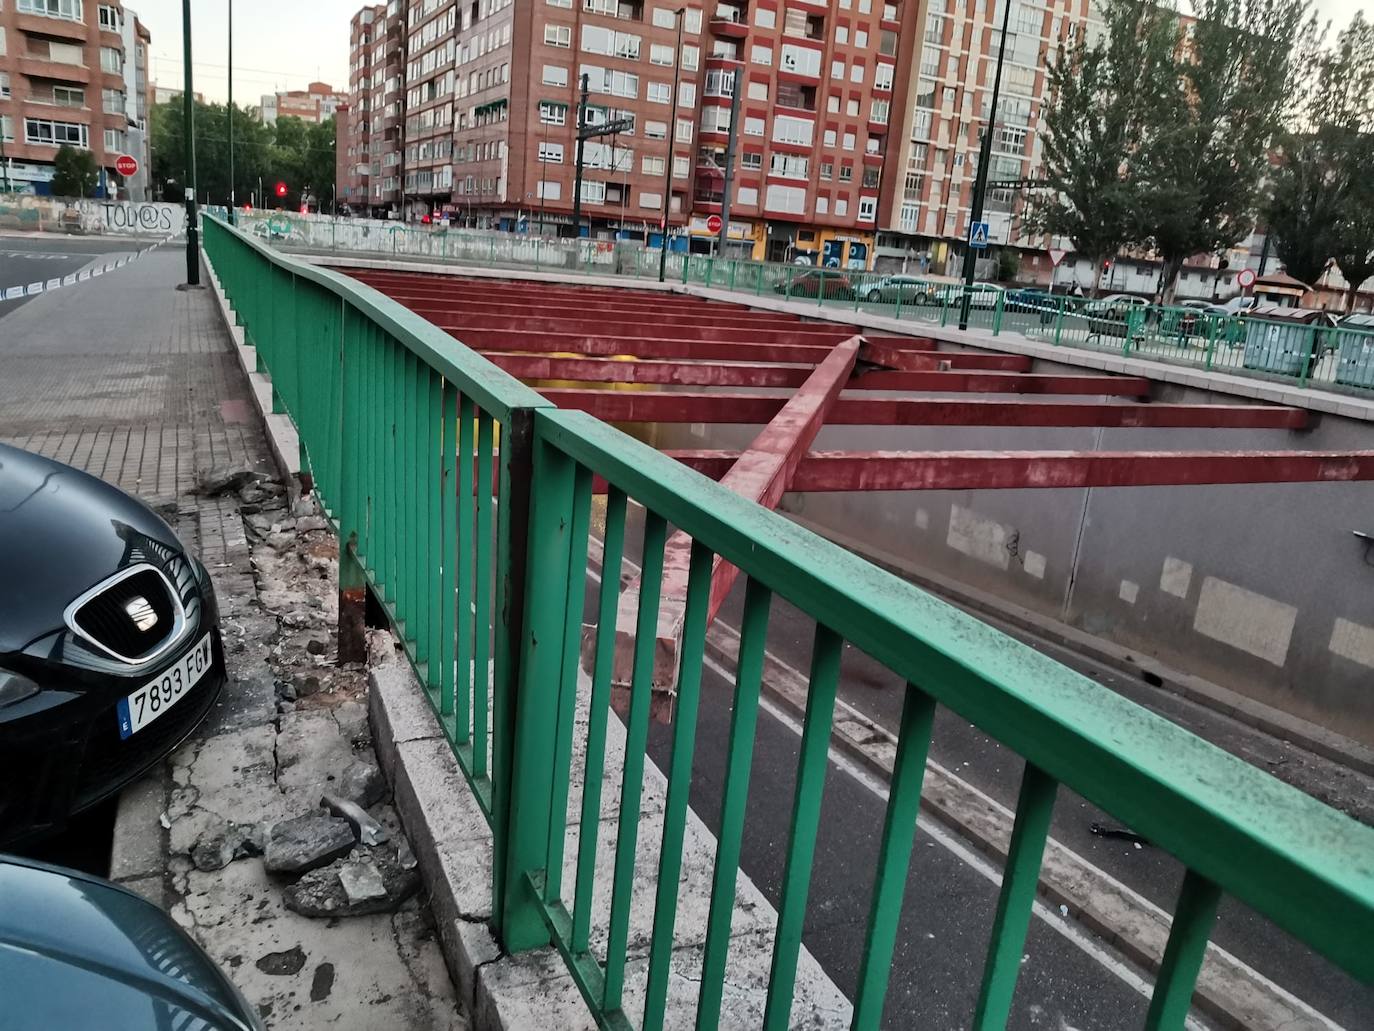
(1202, 162)
(1350, 91)
(74, 172)
(1305, 205)
(297, 153)
(1100, 96)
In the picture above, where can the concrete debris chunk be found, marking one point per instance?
(219, 847)
(363, 784)
(213, 482)
(322, 893)
(307, 842)
(369, 831)
(361, 882)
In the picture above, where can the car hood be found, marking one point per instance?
(62, 532)
(73, 945)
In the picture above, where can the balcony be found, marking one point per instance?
(51, 28)
(730, 21)
(37, 66)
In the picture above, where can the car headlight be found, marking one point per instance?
(14, 688)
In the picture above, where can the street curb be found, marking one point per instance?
(1228, 991)
(1305, 734)
(282, 438)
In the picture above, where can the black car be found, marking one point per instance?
(78, 952)
(110, 653)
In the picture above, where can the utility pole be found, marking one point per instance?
(232, 219)
(577, 172)
(672, 147)
(730, 161)
(188, 131)
(981, 183)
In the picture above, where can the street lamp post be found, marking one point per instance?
(231, 112)
(672, 147)
(188, 131)
(981, 183)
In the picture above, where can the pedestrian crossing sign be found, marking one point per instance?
(978, 235)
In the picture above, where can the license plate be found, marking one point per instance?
(157, 696)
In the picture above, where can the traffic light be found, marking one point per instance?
(1106, 266)
(281, 189)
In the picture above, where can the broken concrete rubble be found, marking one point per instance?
(347, 887)
(362, 783)
(368, 830)
(307, 842)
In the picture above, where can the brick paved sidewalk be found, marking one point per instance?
(137, 382)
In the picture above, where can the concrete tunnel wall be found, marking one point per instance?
(1260, 588)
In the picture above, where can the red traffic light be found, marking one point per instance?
(281, 189)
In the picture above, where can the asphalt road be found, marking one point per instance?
(1071, 978)
(25, 259)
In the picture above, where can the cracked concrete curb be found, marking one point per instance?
(1228, 990)
(282, 438)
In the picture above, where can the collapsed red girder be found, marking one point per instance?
(829, 471)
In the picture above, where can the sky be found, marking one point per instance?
(284, 44)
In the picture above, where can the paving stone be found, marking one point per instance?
(307, 842)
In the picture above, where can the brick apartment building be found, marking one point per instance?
(67, 76)
(316, 103)
(367, 125)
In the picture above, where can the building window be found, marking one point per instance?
(753, 126)
(664, 18)
(684, 130)
(112, 101)
(691, 57)
(593, 192)
(748, 196)
(827, 171)
(69, 96)
(551, 113)
(549, 190)
(693, 21)
(652, 166)
(787, 199)
(110, 17)
(651, 200)
(841, 206)
(4, 85)
(551, 152)
(681, 167)
(758, 91)
(6, 128)
(870, 179)
(751, 161)
(71, 10)
(882, 77)
(846, 173)
(656, 130)
(114, 141)
(822, 205)
(842, 35)
(851, 107)
(721, 83)
(555, 75)
(793, 130)
(847, 142)
(761, 55)
(715, 119)
(661, 54)
(880, 111)
(41, 132)
(558, 35)
(566, 4)
(659, 93)
(766, 18)
(111, 60)
(789, 166)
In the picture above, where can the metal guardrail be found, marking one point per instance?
(1338, 359)
(400, 425)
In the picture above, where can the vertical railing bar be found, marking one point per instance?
(743, 723)
(636, 738)
(567, 688)
(481, 651)
(894, 856)
(434, 464)
(612, 552)
(448, 610)
(693, 650)
(463, 691)
(1020, 877)
(1194, 915)
(415, 509)
(806, 814)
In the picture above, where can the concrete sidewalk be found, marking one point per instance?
(136, 382)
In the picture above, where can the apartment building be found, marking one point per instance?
(64, 80)
(316, 103)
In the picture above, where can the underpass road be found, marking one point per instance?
(1076, 983)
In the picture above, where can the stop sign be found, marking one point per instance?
(126, 165)
(713, 224)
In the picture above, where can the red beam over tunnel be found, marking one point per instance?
(744, 408)
(828, 471)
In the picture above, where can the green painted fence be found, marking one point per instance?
(464, 500)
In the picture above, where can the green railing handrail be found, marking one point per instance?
(369, 387)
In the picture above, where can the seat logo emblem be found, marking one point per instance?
(141, 613)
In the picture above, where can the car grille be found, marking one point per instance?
(111, 618)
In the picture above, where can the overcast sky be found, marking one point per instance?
(284, 44)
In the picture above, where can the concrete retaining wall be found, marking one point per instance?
(31, 213)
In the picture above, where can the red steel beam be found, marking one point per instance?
(485, 328)
(606, 346)
(826, 471)
(716, 374)
(761, 473)
(743, 408)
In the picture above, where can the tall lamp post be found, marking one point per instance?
(980, 185)
(672, 148)
(232, 218)
(188, 132)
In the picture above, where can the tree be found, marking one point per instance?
(1349, 90)
(1008, 264)
(1100, 96)
(1353, 248)
(74, 172)
(1202, 161)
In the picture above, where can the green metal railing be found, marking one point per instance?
(1338, 358)
(401, 427)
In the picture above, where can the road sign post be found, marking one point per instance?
(126, 165)
(978, 236)
(714, 224)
